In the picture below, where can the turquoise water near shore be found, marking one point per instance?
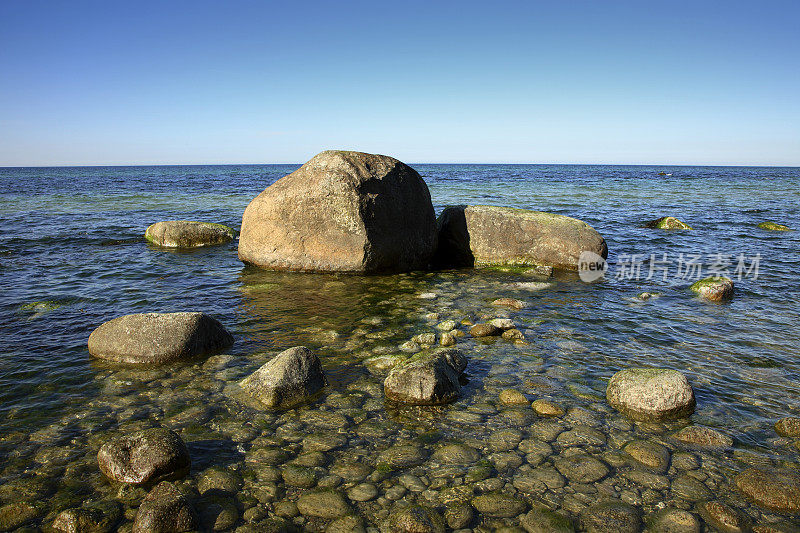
(72, 256)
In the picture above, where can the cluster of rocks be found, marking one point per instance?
(355, 212)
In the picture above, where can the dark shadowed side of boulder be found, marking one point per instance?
(482, 235)
(157, 338)
(342, 212)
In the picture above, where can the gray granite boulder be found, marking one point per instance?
(426, 378)
(482, 235)
(145, 456)
(650, 394)
(187, 234)
(157, 338)
(342, 212)
(290, 378)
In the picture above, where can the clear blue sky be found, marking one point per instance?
(138, 82)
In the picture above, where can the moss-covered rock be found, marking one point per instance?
(667, 223)
(713, 288)
(773, 226)
(188, 234)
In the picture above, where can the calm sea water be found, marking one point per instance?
(72, 257)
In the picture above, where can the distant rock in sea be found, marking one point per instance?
(667, 223)
(342, 212)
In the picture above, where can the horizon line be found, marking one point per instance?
(122, 165)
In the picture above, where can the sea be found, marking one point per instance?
(72, 256)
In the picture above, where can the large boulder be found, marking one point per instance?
(290, 378)
(649, 394)
(426, 379)
(145, 456)
(157, 338)
(165, 509)
(482, 235)
(342, 212)
(187, 234)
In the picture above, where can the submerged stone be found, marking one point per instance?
(615, 516)
(788, 427)
(416, 519)
(774, 489)
(187, 234)
(702, 436)
(323, 504)
(165, 509)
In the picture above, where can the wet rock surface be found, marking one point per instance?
(490, 235)
(144, 457)
(188, 234)
(426, 379)
(292, 377)
(651, 393)
(158, 338)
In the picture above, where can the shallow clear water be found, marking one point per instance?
(72, 257)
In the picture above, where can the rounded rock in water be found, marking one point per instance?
(649, 394)
(188, 234)
(145, 456)
(290, 378)
(158, 338)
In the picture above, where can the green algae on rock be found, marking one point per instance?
(667, 223)
(715, 289)
(773, 226)
(188, 234)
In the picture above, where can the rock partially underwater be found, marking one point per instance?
(426, 378)
(145, 456)
(482, 235)
(158, 338)
(290, 378)
(650, 394)
(713, 288)
(188, 234)
(342, 212)
(667, 223)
